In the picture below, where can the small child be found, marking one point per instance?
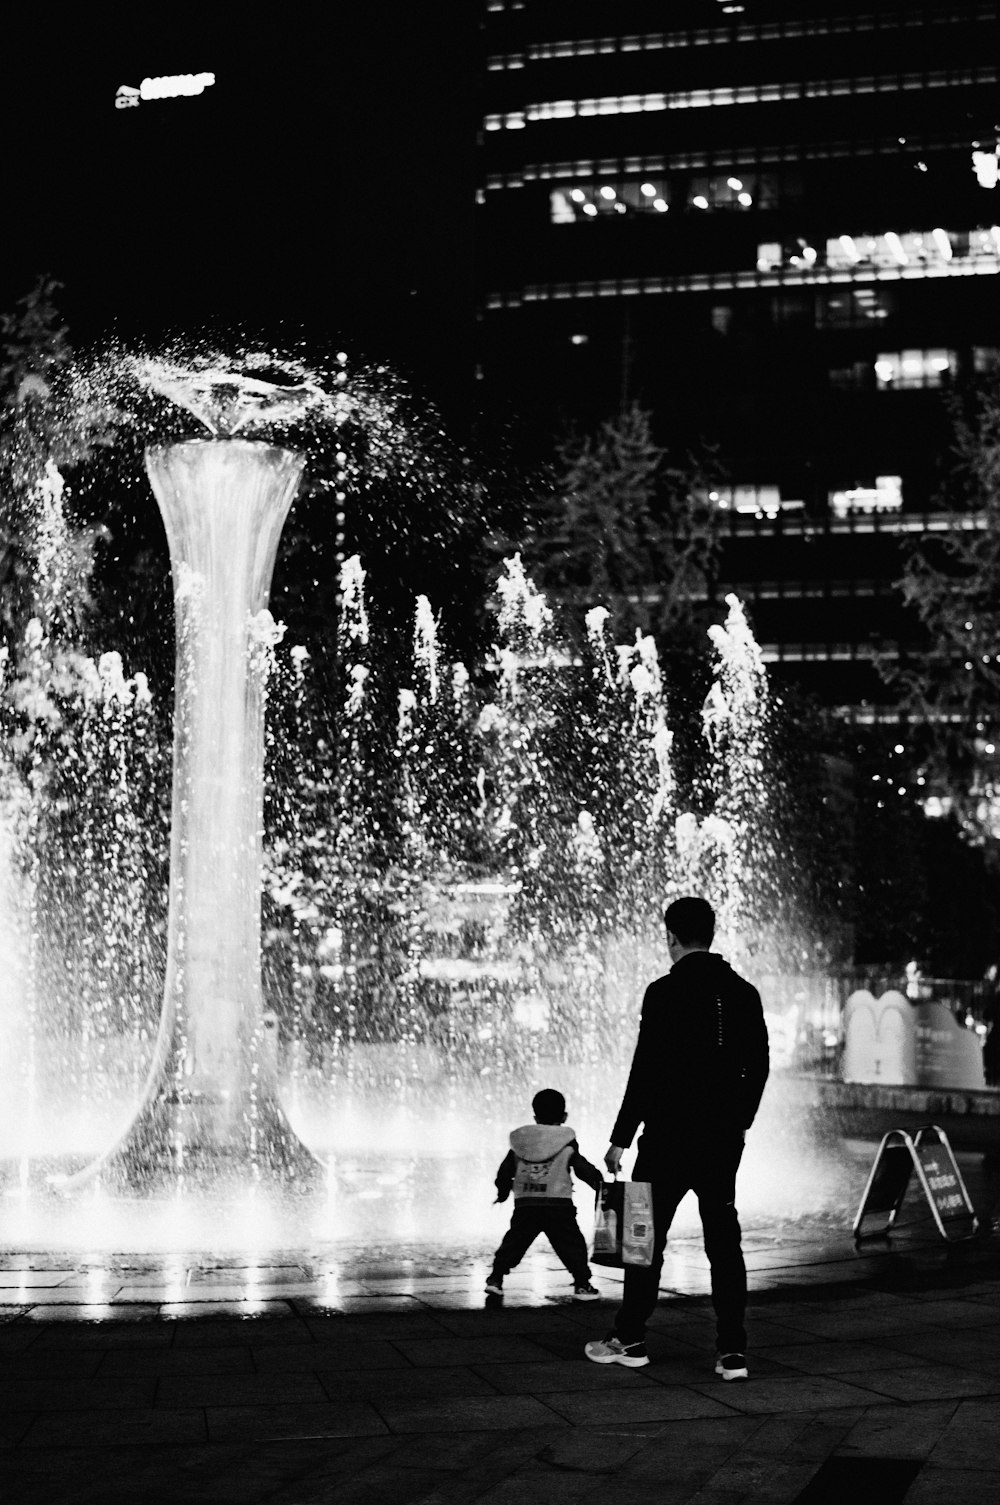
(538, 1166)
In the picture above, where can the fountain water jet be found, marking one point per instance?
(210, 1108)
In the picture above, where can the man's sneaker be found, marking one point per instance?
(494, 1284)
(584, 1291)
(612, 1350)
(732, 1366)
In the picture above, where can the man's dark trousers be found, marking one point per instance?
(558, 1222)
(707, 1165)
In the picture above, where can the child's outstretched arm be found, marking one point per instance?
(505, 1176)
(581, 1166)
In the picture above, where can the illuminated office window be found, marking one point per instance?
(885, 496)
(732, 190)
(895, 249)
(910, 369)
(853, 307)
(607, 198)
(751, 500)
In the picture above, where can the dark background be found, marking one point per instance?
(322, 189)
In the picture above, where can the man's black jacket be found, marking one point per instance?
(701, 1059)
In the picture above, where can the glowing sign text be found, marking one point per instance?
(163, 88)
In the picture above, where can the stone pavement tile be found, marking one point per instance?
(270, 1422)
(468, 1414)
(805, 1392)
(13, 1426)
(346, 1353)
(452, 1452)
(227, 1275)
(32, 1278)
(534, 1482)
(895, 1431)
(598, 1450)
(101, 1335)
(927, 1382)
(163, 1361)
(238, 1390)
(807, 1436)
(677, 1447)
(514, 1321)
(389, 1325)
(409, 1383)
(15, 1337)
(42, 1363)
(852, 1324)
(252, 1331)
(55, 1393)
(381, 1484)
(137, 1425)
(969, 1349)
(959, 1314)
(765, 1333)
(205, 1474)
(453, 1351)
(95, 1311)
(351, 1354)
(653, 1403)
(234, 1308)
(970, 1438)
(834, 1358)
(372, 1302)
(953, 1486)
(751, 1480)
(565, 1374)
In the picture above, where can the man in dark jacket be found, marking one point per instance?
(697, 1077)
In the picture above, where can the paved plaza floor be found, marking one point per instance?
(387, 1377)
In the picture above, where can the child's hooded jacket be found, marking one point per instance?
(540, 1166)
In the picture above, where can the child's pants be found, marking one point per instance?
(557, 1220)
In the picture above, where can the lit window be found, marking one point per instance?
(579, 339)
(986, 166)
(624, 196)
(561, 211)
(752, 500)
(854, 307)
(885, 496)
(913, 369)
(730, 192)
(985, 358)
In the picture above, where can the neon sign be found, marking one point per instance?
(168, 87)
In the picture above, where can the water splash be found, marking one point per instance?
(462, 895)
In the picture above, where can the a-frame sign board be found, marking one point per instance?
(930, 1155)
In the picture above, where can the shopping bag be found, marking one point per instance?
(623, 1224)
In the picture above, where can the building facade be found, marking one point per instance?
(777, 227)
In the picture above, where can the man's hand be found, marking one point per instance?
(613, 1158)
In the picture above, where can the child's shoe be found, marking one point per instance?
(584, 1291)
(494, 1284)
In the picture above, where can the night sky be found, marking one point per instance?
(322, 188)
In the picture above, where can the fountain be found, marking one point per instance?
(512, 899)
(210, 1108)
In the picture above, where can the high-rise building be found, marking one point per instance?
(776, 226)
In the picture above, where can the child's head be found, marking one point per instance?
(549, 1106)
